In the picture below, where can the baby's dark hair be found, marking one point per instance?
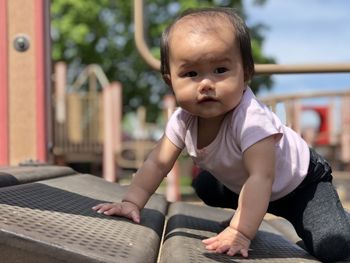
(242, 35)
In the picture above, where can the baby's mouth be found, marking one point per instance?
(207, 99)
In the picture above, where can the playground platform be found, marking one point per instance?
(46, 216)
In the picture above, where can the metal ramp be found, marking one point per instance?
(188, 224)
(51, 220)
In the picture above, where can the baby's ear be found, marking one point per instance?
(167, 79)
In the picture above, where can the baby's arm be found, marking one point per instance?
(254, 198)
(145, 182)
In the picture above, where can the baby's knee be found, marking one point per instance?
(208, 189)
(334, 247)
(205, 184)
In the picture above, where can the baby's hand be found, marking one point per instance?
(125, 209)
(229, 241)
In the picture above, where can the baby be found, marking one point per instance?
(251, 162)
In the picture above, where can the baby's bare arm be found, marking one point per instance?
(152, 172)
(254, 198)
(145, 182)
(255, 195)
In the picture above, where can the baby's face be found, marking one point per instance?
(206, 70)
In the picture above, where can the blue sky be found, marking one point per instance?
(305, 31)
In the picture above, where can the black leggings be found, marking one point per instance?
(313, 208)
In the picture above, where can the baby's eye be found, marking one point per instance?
(190, 74)
(220, 70)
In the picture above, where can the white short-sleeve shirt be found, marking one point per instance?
(250, 122)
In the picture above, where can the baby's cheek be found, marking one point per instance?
(185, 99)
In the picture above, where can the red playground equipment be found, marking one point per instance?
(323, 132)
(24, 81)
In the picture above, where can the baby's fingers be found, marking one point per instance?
(107, 208)
(119, 209)
(213, 246)
(96, 207)
(209, 240)
(134, 216)
(111, 209)
(100, 207)
(244, 252)
(234, 250)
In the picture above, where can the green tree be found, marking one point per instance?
(101, 32)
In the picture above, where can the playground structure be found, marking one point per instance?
(332, 135)
(25, 85)
(88, 119)
(87, 125)
(80, 122)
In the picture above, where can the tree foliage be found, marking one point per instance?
(101, 32)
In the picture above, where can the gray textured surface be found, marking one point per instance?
(52, 221)
(26, 174)
(46, 216)
(188, 224)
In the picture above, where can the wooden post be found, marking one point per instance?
(60, 92)
(4, 119)
(60, 119)
(112, 103)
(345, 129)
(173, 178)
(24, 71)
(332, 137)
(293, 115)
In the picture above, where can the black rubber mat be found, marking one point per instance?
(52, 221)
(188, 224)
(26, 174)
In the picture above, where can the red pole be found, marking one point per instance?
(41, 138)
(4, 135)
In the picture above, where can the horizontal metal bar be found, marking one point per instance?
(302, 68)
(305, 95)
(259, 68)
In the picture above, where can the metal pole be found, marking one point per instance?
(259, 68)
(139, 36)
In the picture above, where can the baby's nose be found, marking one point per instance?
(205, 85)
